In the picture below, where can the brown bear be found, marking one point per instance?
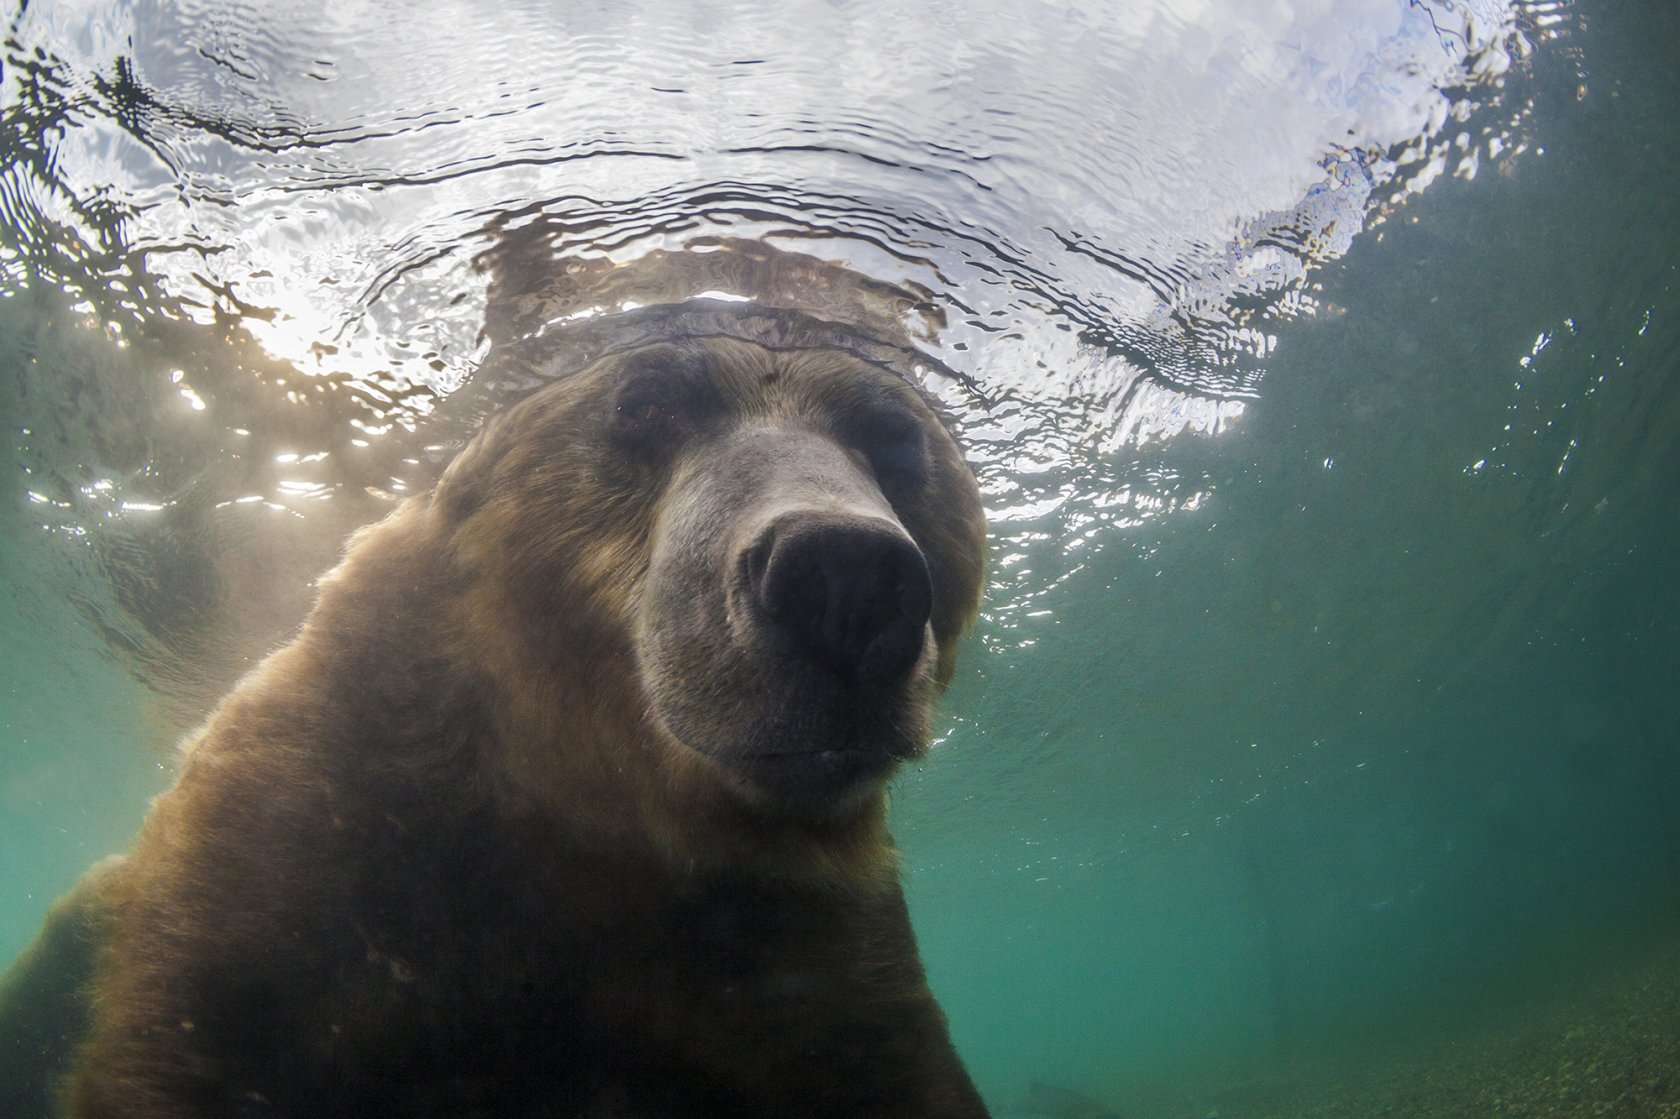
(568, 797)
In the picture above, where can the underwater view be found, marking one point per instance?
(1315, 750)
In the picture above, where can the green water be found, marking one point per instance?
(1379, 741)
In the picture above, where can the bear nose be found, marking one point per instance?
(852, 595)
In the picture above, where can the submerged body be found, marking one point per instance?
(568, 799)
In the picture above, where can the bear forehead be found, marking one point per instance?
(752, 379)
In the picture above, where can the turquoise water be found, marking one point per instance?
(1349, 719)
(1385, 737)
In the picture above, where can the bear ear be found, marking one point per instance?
(456, 498)
(466, 482)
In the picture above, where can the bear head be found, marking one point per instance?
(779, 549)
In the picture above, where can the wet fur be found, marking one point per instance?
(441, 856)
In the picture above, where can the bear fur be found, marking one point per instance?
(568, 797)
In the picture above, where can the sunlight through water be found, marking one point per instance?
(1096, 216)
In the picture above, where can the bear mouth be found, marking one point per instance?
(808, 768)
(812, 779)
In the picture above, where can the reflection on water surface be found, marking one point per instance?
(1103, 214)
(1149, 186)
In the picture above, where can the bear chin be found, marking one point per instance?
(811, 781)
(811, 747)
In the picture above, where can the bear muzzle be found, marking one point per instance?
(786, 630)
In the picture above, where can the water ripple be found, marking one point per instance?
(1084, 225)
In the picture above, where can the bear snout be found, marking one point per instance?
(851, 594)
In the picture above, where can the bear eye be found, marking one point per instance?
(661, 399)
(645, 415)
(896, 446)
(641, 411)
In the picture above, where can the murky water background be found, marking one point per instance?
(1318, 359)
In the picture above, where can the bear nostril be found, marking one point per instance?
(852, 596)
